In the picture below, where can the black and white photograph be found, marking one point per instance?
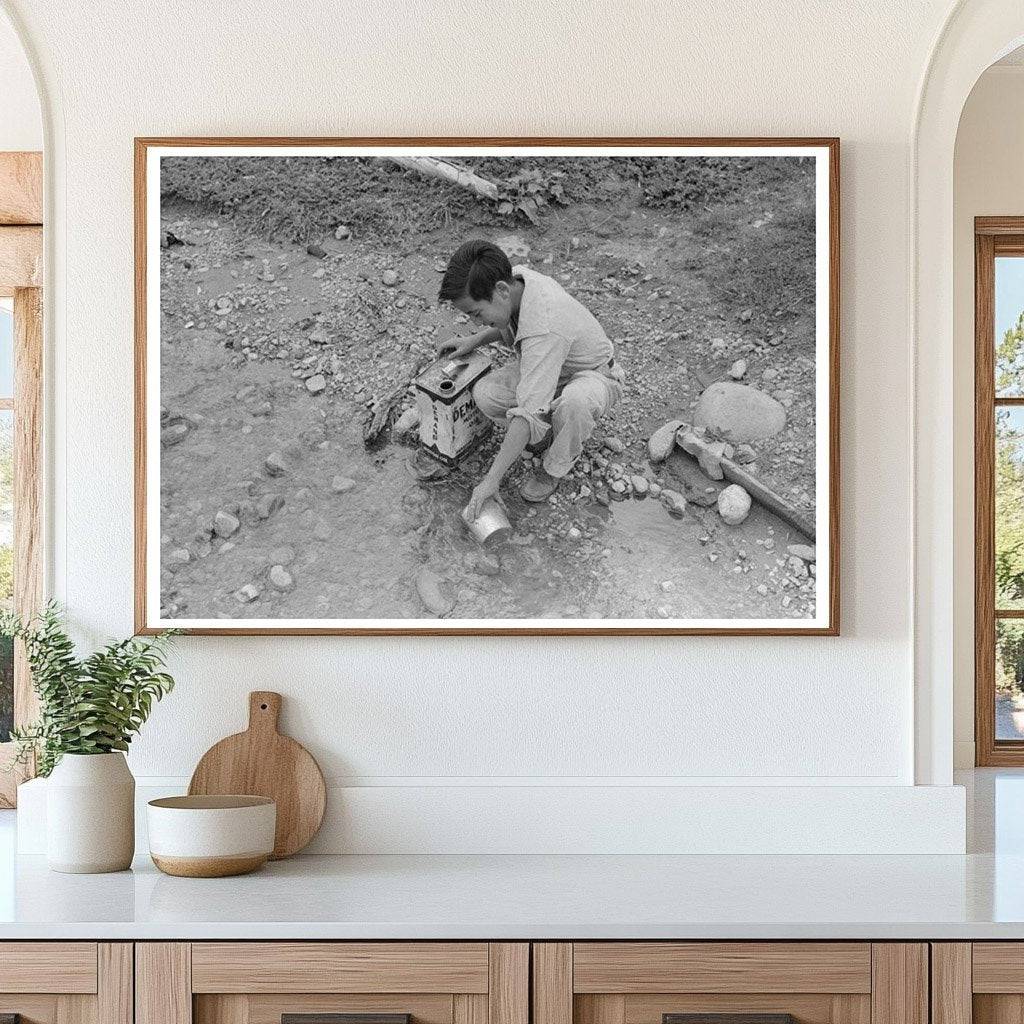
(462, 387)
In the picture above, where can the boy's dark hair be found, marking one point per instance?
(475, 268)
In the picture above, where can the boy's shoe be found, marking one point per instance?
(539, 486)
(542, 445)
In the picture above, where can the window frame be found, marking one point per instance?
(993, 237)
(21, 260)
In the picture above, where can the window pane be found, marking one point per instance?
(1009, 322)
(6, 567)
(1009, 679)
(6, 348)
(1009, 512)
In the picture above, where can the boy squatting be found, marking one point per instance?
(564, 379)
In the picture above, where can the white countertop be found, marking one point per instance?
(978, 896)
(532, 897)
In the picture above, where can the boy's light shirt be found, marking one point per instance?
(557, 338)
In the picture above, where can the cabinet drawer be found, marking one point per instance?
(48, 967)
(634, 967)
(66, 982)
(340, 967)
(737, 982)
(262, 982)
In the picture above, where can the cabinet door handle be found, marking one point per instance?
(728, 1018)
(339, 1018)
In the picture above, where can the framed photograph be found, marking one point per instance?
(487, 386)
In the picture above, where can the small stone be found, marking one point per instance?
(674, 502)
(179, 556)
(434, 593)
(275, 464)
(247, 594)
(738, 370)
(733, 505)
(283, 555)
(744, 455)
(316, 383)
(281, 578)
(342, 484)
(268, 504)
(746, 315)
(342, 231)
(640, 485)
(664, 613)
(762, 590)
(574, 533)
(802, 551)
(389, 278)
(619, 486)
(655, 490)
(663, 440)
(486, 565)
(322, 531)
(797, 566)
(173, 434)
(316, 250)
(225, 525)
(318, 273)
(407, 422)
(615, 445)
(668, 586)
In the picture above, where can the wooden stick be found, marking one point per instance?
(765, 496)
(760, 492)
(434, 168)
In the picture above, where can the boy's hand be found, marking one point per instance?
(459, 347)
(483, 490)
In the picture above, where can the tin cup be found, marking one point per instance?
(491, 526)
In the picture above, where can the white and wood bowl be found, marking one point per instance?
(211, 836)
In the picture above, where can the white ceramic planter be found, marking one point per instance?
(90, 814)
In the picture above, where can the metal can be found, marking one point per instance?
(491, 526)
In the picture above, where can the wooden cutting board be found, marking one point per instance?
(262, 762)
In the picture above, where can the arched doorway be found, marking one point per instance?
(975, 35)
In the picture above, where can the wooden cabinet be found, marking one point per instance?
(649, 982)
(261, 982)
(66, 982)
(980, 982)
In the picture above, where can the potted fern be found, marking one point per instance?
(89, 710)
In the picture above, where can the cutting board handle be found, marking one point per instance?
(264, 710)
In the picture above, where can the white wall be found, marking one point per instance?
(446, 713)
(21, 125)
(988, 181)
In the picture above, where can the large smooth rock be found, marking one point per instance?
(738, 412)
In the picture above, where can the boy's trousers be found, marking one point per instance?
(578, 405)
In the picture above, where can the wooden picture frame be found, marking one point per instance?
(148, 151)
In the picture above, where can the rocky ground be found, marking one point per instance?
(273, 508)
